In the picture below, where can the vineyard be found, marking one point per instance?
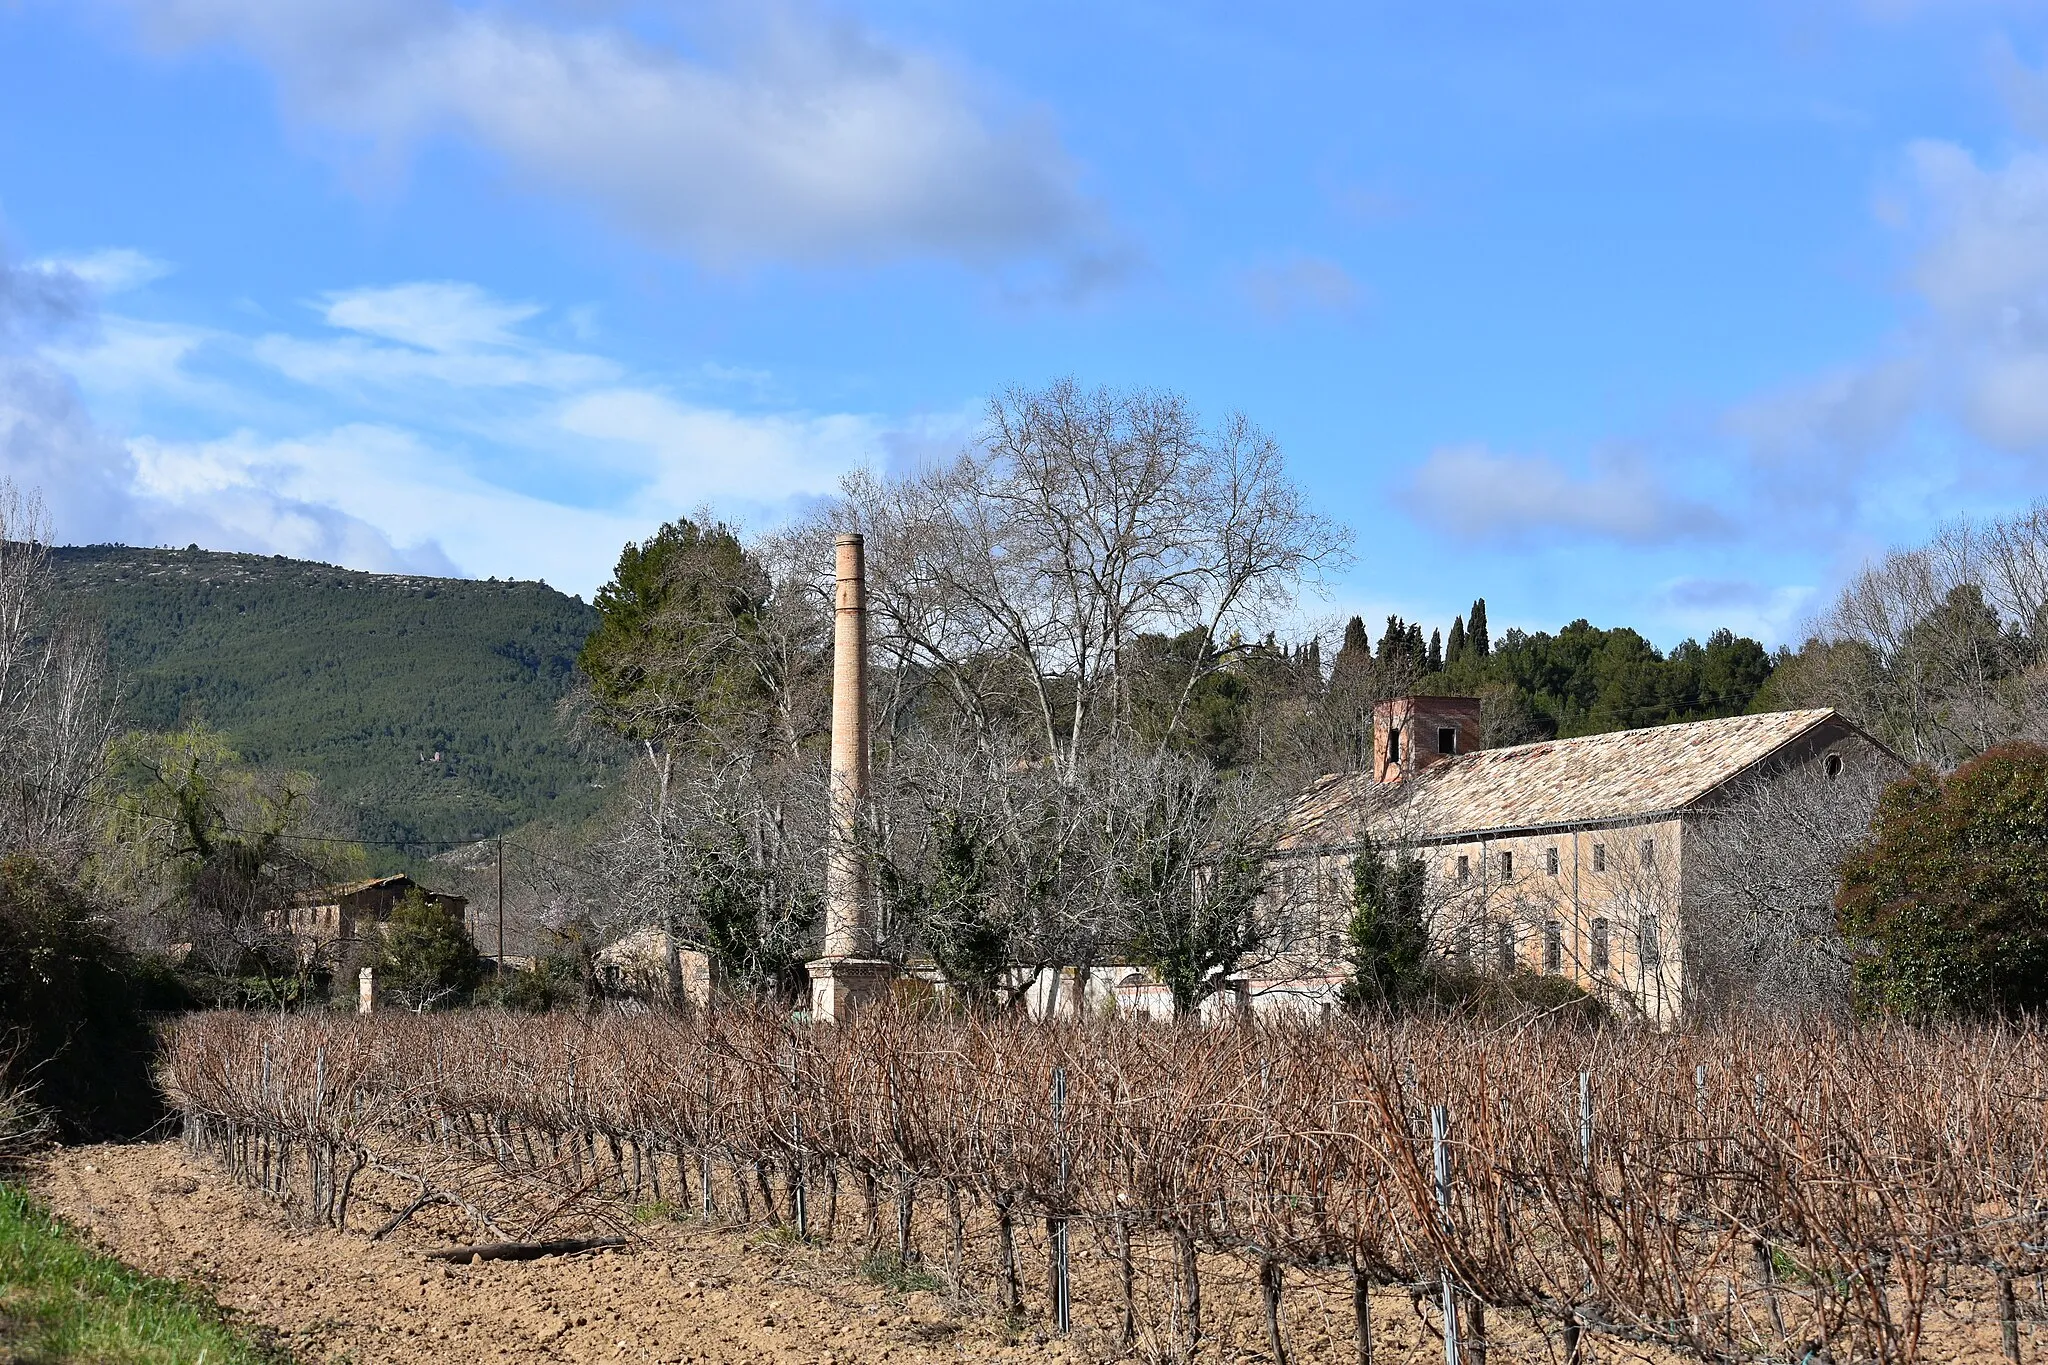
(1759, 1193)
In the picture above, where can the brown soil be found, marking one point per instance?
(681, 1293)
(688, 1293)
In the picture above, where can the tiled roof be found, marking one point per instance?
(1558, 782)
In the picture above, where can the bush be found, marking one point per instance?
(1524, 993)
(1948, 903)
(553, 983)
(424, 956)
(73, 1007)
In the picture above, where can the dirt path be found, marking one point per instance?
(684, 1294)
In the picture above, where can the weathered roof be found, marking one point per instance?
(1630, 773)
(328, 895)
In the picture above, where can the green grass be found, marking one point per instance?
(61, 1302)
(884, 1269)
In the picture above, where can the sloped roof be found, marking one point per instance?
(328, 895)
(1631, 773)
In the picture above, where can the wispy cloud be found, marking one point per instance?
(784, 134)
(1763, 611)
(1298, 284)
(423, 427)
(1472, 493)
(111, 271)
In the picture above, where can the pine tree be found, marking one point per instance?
(1454, 648)
(1475, 633)
(1436, 651)
(1417, 650)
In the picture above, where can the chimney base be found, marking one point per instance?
(841, 985)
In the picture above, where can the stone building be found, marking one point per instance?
(1566, 857)
(647, 965)
(325, 921)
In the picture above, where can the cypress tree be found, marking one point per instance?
(1391, 639)
(1436, 651)
(1355, 639)
(1354, 656)
(1454, 648)
(1387, 942)
(1475, 633)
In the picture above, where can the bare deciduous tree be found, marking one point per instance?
(56, 700)
(1021, 573)
(1760, 920)
(1941, 651)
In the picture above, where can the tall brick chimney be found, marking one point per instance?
(848, 975)
(847, 931)
(1410, 734)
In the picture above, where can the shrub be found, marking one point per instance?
(423, 955)
(73, 1005)
(1522, 994)
(553, 983)
(1949, 901)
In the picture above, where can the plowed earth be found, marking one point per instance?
(682, 1292)
(702, 1295)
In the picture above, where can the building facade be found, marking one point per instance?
(1573, 858)
(326, 921)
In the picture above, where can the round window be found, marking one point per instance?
(1832, 766)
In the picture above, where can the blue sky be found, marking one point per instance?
(1660, 315)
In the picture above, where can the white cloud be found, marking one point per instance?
(786, 135)
(1767, 612)
(434, 315)
(100, 489)
(1974, 357)
(341, 363)
(1817, 433)
(436, 334)
(693, 453)
(430, 432)
(1985, 247)
(111, 271)
(1476, 494)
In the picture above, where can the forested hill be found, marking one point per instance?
(360, 679)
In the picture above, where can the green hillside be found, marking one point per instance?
(360, 679)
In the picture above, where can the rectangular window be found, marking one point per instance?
(1649, 853)
(1507, 867)
(1599, 951)
(1461, 946)
(1464, 869)
(1446, 739)
(1504, 944)
(1599, 857)
(1652, 946)
(1550, 860)
(1553, 947)
(1393, 746)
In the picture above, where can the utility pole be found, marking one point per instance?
(501, 905)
